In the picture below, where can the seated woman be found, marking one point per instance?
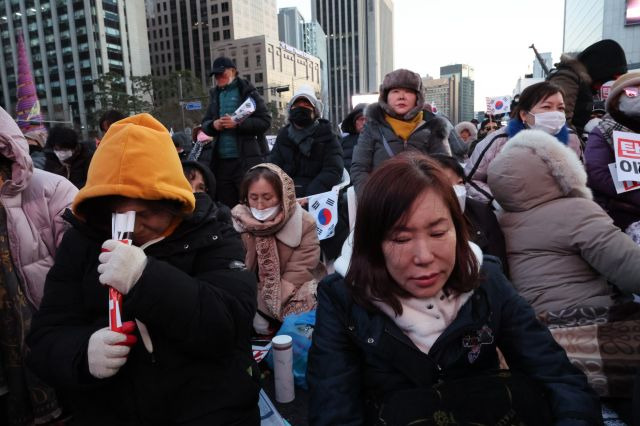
(564, 253)
(307, 148)
(411, 332)
(184, 279)
(541, 106)
(281, 242)
(623, 106)
(397, 123)
(563, 249)
(31, 228)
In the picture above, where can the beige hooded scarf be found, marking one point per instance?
(285, 252)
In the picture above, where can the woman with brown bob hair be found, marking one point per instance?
(411, 333)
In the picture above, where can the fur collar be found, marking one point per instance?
(562, 163)
(569, 61)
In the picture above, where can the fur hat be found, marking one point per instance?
(469, 127)
(307, 93)
(405, 79)
(604, 60)
(628, 79)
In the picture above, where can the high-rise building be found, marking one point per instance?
(271, 65)
(538, 72)
(360, 47)
(465, 91)
(315, 43)
(291, 27)
(184, 33)
(69, 45)
(441, 93)
(588, 21)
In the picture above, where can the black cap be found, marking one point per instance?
(221, 64)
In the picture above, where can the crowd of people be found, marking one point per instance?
(479, 255)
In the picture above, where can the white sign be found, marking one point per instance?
(627, 149)
(247, 108)
(622, 186)
(498, 105)
(324, 209)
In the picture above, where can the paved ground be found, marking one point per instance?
(294, 412)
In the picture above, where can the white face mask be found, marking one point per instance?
(265, 214)
(550, 122)
(461, 194)
(63, 154)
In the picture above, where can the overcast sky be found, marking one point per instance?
(492, 37)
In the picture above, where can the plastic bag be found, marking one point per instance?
(300, 328)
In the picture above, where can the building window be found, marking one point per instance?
(214, 9)
(226, 34)
(216, 36)
(225, 21)
(246, 62)
(247, 77)
(224, 6)
(259, 60)
(258, 77)
(215, 23)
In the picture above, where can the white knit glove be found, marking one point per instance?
(121, 265)
(106, 352)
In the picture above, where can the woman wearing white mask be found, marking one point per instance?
(540, 107)
(281, 242)
(623, 115)
(66, 156)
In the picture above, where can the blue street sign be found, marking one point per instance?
(192, 106)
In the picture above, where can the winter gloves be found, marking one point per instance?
(108, 350)
(121, 265)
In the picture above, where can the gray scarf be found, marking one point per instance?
(303, 138)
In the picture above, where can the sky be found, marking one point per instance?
(492, 37)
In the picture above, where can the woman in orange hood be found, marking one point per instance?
(184, 284)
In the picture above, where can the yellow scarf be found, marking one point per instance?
(403, 128)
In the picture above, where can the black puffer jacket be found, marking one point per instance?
(430, 137)
(314, 173)
(360, 360)
(348, 143)
(198, 304)
(250, 139)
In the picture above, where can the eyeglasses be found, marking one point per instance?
(631, 91)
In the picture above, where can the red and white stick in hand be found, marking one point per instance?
(122, 225)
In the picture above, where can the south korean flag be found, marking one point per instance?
(324, 208)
